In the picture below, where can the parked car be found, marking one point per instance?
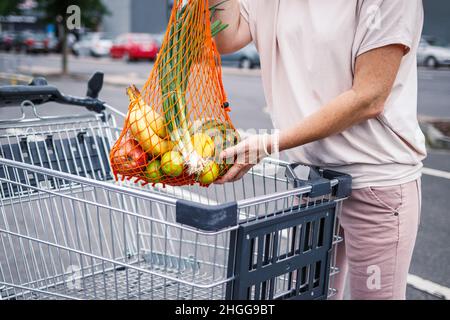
(159, 38)
(6, 41)
(33, 42)
(57, 46)
(94, 44)
(19, 40)
(135, 46)
(246, 58)
(433, 52)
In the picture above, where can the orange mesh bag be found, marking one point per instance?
(176, 128)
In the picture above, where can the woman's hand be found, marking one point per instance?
(245, 155)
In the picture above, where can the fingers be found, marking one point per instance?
(242, 173)
(233, 151)
(245, 152)
(235, 173)
(228, 177)
(244, 156)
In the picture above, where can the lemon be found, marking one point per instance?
(172, 163)
(203, 145)
(209, 174)
(153, 171)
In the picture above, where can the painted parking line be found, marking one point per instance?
(436, 173)
(429, 287)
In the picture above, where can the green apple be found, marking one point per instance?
(172, 163)
(153, 171)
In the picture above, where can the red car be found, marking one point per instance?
(134, 46)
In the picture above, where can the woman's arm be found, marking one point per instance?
(375, 74)
(237, 35)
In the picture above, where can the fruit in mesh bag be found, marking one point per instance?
(129, 159)
(172, 163)
(209, 174)
(147, 126)
(184, 86)
(188, 76)
(203, 145)
(153, 172)
(223, 136)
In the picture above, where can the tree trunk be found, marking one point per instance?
(64, 52)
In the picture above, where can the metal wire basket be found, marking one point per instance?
(69, 231)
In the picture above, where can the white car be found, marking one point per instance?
(433, 52)
(93, 44)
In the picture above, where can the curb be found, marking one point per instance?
(122, 80)
(109, 80)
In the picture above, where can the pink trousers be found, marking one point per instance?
(379, 226)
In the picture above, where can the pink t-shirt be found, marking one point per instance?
(308, 50)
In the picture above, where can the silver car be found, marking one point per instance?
(246, 58)
(433, 52)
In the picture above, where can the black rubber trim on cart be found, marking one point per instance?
(344, 187)
(320, 186)
(206, 217)
(320, 182)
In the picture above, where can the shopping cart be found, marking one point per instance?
(69, 231)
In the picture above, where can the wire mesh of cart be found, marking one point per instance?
(69, 231)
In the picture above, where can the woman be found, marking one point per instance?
(340, 80)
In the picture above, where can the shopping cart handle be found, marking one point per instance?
(39, 92)
(344, 187)
(91, 104)
(320, 181)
